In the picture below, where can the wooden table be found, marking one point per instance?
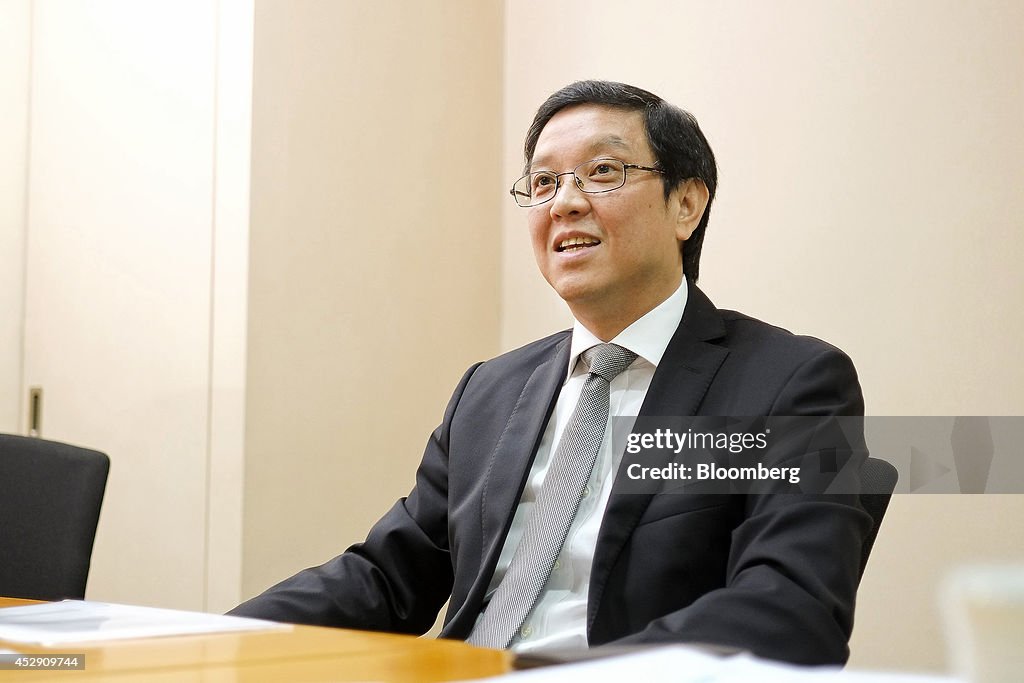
(304, 653)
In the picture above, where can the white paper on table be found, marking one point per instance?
(681, 664)
(80, 621)
(745, 668)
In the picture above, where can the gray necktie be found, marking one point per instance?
(557, 502)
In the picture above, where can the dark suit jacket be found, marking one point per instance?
(773, 574)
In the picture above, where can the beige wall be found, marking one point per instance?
(15, 21)
(871, 156)
(122, 196)
(124, 178)
(375, 257)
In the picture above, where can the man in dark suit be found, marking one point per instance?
(617, 188)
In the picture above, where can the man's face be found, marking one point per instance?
(629, 261)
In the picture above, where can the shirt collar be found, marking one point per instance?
(647, 337)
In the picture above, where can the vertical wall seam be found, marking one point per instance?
(213, 301)
(23, 317)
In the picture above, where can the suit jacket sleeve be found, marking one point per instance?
(398, 578)
(793, 564)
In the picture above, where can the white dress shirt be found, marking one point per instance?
(559, 617)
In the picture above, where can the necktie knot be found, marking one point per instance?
(608, 360)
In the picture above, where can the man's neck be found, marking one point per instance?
(606, 322)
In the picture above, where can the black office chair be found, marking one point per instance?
(50, 497)
(878, 480)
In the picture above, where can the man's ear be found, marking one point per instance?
(693, 199)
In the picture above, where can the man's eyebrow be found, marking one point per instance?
(595, 147)
(613, 141)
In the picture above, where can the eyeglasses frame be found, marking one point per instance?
(579, 183)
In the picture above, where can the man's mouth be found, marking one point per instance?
(577, 243)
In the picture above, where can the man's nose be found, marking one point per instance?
(569, 198)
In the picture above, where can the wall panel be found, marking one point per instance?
(119, 262)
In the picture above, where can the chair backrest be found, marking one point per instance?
(50, 497)
(878, 478)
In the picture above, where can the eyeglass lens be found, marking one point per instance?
(596, 175)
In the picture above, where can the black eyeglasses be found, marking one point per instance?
(593, 177)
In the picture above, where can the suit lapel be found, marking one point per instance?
(513, 455)
(677, 389)
(507, 469)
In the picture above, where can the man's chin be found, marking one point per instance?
(587, 303)
(575, 292)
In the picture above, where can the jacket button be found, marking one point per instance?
(526, 631)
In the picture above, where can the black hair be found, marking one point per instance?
(680, 148)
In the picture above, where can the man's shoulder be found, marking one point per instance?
(765, 362)
(505, 376)
(747, 333)
(530, 355)
(746, 336)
